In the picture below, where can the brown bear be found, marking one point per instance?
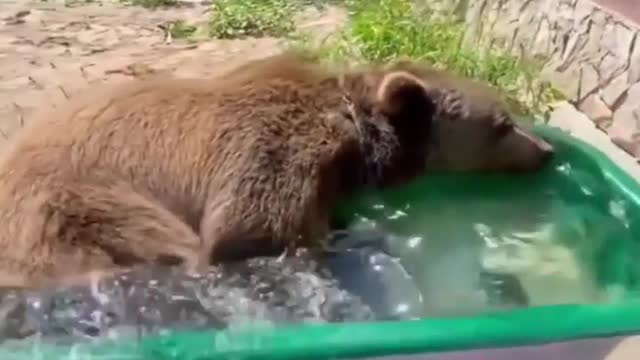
(473, 130)
(199, 171)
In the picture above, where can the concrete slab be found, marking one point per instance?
(568, 118)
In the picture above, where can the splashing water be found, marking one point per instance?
(258, 292)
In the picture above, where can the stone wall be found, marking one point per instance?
(589, 53)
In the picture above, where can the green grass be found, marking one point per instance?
(382, 30)
(182, 30)
(234, 19)
(252, 18)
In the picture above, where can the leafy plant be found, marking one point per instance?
(245, 18)
(182, 30)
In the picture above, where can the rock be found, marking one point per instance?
(630, 146)
(568, 81)
(589, 80)
(541, 44)
(615, 89)
(617, 39)
(625, 126)
(323, 26)
(625, 129)
(475, 12)
(524, 10)
(634, 63)
(489, 19)
(548, 6)
(593, 50)
(633, 96)
(582, 16)
(596, 109)
(572, 48)
(564, 16)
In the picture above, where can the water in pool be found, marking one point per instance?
(474, 243)
(442, 246)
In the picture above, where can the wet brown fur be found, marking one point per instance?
(193, 171)
(472, 100)
(473, 129)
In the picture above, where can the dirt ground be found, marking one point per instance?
(51, 50)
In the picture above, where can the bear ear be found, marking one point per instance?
(404, 97)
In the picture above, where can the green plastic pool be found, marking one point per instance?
(614, 264)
